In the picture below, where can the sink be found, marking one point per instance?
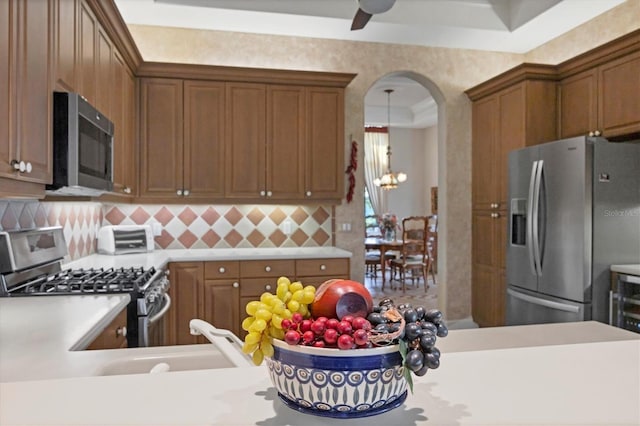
(177, 361)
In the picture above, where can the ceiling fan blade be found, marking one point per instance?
(360, 20)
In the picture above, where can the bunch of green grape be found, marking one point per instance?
(266, 315)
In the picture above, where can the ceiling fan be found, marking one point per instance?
(367, 9)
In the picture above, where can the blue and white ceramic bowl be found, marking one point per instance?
(338, 383)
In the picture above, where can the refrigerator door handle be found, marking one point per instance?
(530, 209)
(536, 217)
(543, 302)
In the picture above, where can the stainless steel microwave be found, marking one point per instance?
(82, 147)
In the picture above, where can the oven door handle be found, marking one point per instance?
(165, 308)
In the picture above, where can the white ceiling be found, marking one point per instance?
(497, 25)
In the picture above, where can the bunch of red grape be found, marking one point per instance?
(421, 329)
(348, 333)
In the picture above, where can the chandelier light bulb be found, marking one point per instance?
(389, 180)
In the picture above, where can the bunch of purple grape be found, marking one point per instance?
(421, 329)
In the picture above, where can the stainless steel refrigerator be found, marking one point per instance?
(574, 210)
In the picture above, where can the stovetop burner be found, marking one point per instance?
(89, 281)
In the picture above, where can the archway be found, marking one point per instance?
(439, 105)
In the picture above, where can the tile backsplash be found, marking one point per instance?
(182, 226)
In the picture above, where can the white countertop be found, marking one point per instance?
(627, 269)
(159, 258)
(590, 383)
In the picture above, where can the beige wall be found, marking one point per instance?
(445, 72)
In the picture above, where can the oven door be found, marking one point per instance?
(154, 325)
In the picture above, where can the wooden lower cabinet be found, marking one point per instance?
(114, 336)
(218, 291)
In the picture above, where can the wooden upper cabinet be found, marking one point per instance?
(484, 117)
(324, 168)
(87, 53)
(245, 149)
(578, 111)
(619, 96)
(285, 141)
(204, 124)
(7, 96)
(65, 52)
(161, 159)
(122, 100)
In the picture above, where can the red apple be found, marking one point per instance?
(337, 298)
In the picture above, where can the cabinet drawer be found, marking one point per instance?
(322, 267)
(220, 270)
(254, 287)
(267, 268)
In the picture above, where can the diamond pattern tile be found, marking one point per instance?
(233, 216)
(255, 238)
(211, 239)
(277, 216)
(278, 238)
(114, 216)
(233, 238)
(210, 216)
(187, 239)
(321, 237)
(320, 215)
(255, 216)
(9, 220)
(187, 216)
(164, 239)
(299, 215)
(299, 237)
(164, 216)
(140, 216)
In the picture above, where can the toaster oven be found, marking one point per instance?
(125, 239)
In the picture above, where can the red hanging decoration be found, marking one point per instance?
(353, 166)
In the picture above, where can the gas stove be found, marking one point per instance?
(30, 265)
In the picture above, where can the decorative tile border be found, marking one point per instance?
(229, 226)
(183, 226)
(80, 221)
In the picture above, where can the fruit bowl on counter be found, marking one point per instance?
(331, 353)
(338, 383)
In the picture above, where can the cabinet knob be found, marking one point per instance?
(597, 133)
(308, 193)
(235, 285)
(269, 193)
(29, 167)
(591, 134)
(19, 165)
(495, 205)
(323, 267)
(179, 192)
(121, 331)
(267, 268)
(186, 193)
(222, 270)
(262, 193)
(126, 190)
(267, 287)
(495, 215)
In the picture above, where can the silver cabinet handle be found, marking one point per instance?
(186, 192)
(179, 192)
(308, 193)
(121, 331)
(222, 270)
(269, 193)
(236, 285)
(267, 287)
(267, 268)
(323, 267)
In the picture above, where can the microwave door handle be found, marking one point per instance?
(530, 209)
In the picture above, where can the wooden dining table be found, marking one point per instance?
(373, 243)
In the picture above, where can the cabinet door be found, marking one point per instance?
(185, 291)
(578, 104)
(619, 96)
(104, 72)
(245, 140)
(87, 53)
(511, 135)
(7, 96)
(34, 94)
(160, 137)
(285, 141)
(324, 163)
(123, 116)
(222, 304)
(204, 139)
(114, 336)
(484, 130)
(66, 19)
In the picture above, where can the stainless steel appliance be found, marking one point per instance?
(30, 265)
(625, 303)
(574, 210)
(82, 147)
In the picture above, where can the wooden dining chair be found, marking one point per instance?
(415, 256)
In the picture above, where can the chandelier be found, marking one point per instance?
(389, 180)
